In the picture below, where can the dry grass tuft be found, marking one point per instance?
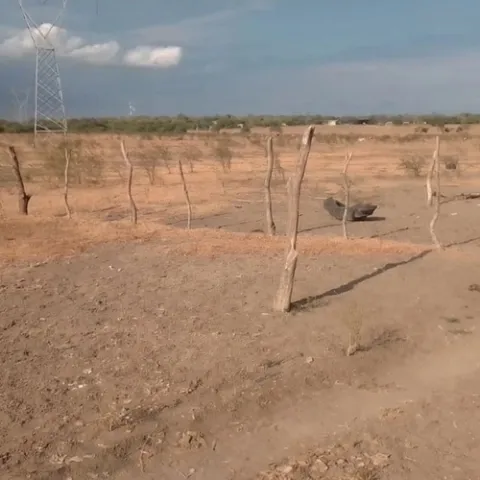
(413, 164)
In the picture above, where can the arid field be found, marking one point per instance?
(151, 351)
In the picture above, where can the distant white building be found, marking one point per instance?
(333, 122)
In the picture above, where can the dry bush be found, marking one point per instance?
(409, 138)
(231, 141)
(192, 154)
(166, 156)
(223, 154)
(276, 129)
(258, 141)
(86, 168)
(209, 138)
(451, 162)
(148, 162)
(413, 164)
(147, 159)
(148, 137)
(245, 129)
(421, 129)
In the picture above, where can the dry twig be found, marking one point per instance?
(142, 453)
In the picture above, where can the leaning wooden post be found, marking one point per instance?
(65, 185)
(433, 222)
(430, 172)
(346, 186)
(133, 207)
(23, 197)
(187, 196)
(269, 223)
(283, 298)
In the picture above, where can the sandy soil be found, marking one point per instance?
(152, 352)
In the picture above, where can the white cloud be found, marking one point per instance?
(20, 43)
(153, 57)
(99, 53)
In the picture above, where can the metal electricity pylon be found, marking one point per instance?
(21, 105)
(49, 113)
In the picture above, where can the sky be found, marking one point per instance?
(207, 57)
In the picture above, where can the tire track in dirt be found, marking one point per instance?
(295, 427)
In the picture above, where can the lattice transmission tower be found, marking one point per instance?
(49, 110)
(21, 105)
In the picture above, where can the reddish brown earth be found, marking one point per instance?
(153, 353)
(132, 362)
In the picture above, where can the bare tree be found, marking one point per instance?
(65, 184)
(192, 155)
(23, 197)
(270, 224)
(433, 222)
(223, 155)
(133, 207)
(149, 164)
(346, 186)
(283, 298)
(187, 196)
(166, 155)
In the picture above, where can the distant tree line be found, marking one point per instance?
(183, 123)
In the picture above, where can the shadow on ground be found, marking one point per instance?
(315, 301)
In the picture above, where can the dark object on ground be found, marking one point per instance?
(355, 213)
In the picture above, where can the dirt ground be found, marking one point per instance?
(152, 352)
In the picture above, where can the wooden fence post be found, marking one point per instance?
(23, 197)
(430, 172)
(433, 222)
(283, 298)
(65, 185)
(346, 186)
(133, 207)
(269, 223)
(187, 196)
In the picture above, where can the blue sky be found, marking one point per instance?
(253, 56)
